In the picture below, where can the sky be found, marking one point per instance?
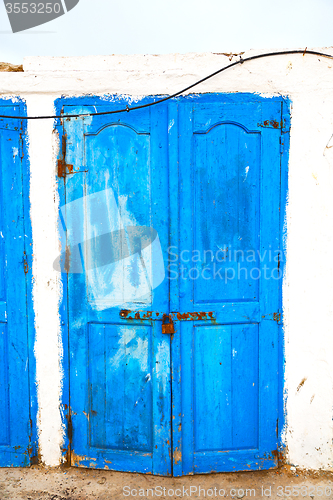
(101, 27)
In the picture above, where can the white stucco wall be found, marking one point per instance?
(308, 284)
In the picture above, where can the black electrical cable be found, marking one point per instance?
(133, 108)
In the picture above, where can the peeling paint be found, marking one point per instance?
(177, 456)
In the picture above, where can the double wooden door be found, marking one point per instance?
(171, 214)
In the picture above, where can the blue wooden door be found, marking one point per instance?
(117, 199)
(196, 183)
(15, 412)
(226, 370)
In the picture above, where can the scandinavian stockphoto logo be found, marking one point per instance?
(121, 259)
(28, 14)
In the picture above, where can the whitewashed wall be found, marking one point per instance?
(308, 284)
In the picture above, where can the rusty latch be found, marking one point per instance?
(168, 327)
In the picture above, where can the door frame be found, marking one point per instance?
(173, 160)
(19, 108)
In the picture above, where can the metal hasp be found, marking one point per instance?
(168, 328)
(175, 316)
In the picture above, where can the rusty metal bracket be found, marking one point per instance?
(64, 168)
(277, 316)
(25, 263)
(272, 124)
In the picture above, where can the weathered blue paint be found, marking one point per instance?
(17, 367)
(216, 187)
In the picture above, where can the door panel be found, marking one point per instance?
(225, 364)
(116, 218)
(15, 431)
(226, 201)
(120, 389)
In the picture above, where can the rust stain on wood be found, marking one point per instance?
(78, 459)
(67, 259)
(177, 455)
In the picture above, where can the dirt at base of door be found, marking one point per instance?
(39, 483)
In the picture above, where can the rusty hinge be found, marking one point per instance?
(63, 167)
(168, 328)
(277, 316)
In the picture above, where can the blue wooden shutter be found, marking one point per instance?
(15, 298)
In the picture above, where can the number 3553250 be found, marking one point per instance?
(33, 8)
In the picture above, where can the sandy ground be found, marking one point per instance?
(38, 483)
